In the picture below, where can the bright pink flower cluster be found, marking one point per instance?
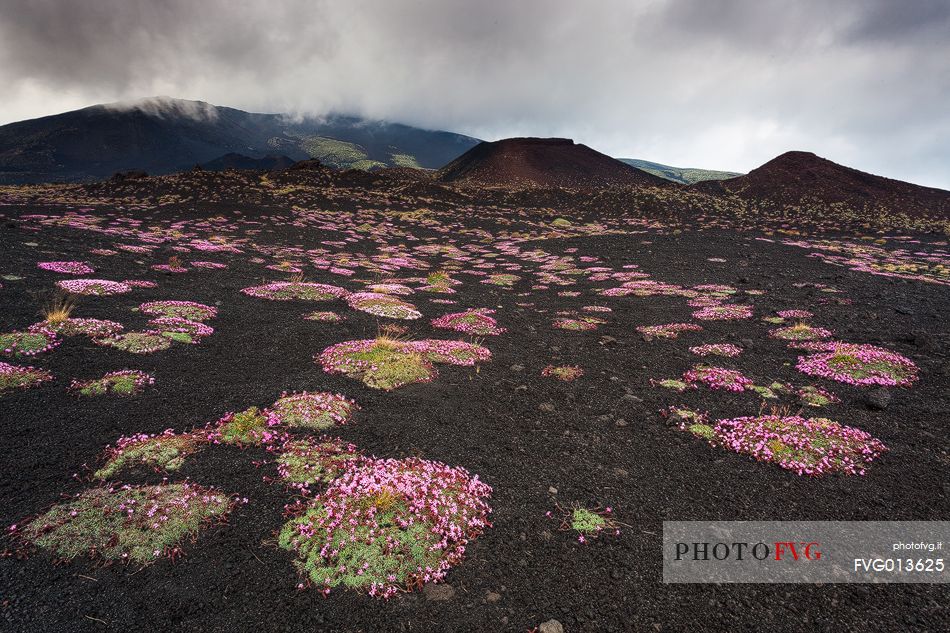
(299, 290)
(862, 365)
(450, 352)
(213, 247)
(716, 288)
(31, 343)
(17, 377)
(717, 349)
(195, 329)
(795, 314)
(140, 283)
(128, 442)
(67, 268)
(717, 378)
(447, 502)
(190, 310)
(644, 288)
(813, 446)
(320, 409)
(139, 380)
(725, 312)
(168, 268)
(339, 358)
(96, 287)
(472, 322)
(379, 304)
(94, 328)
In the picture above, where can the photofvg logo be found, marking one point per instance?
(779, 550)
(804, 551)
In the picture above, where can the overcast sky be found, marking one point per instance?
(724, 84)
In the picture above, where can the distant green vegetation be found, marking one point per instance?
(682, 175)
(339, 154)
(405, 160)
(345, 155)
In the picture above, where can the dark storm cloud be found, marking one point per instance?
(723, 84)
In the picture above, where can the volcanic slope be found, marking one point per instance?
(162, 135)
(542, 162)
(802, 178)
(240, 161)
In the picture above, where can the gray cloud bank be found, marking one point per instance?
(721, 84)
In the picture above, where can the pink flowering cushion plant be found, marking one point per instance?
(28, 343)
(245, 428)
(170, 268)
(299, 290)
(190, 310)
(813, 446)
(862, 365)
(181, 330)
(383, 305)
(140, 283)
(800, 332)
(17, 377)
(386, 363)
(450, 352)
(670, 330)
(127, 523)
(472, 322)
(671, 383)
(575, 325)
(388, 525)
(686, 419)
(126, 382)
(717, 378)
(566, 373)
(94, 287)
(67, 268)
(146, 342)
(795, 314)
(725, 312)
(589, 524)
(390, 289)
(320, 410)
(306, 462)
(93, 328)
(506, 280)
(816, 396)
(716, 349)
(325, 317)
(380, 364)
(166, 451)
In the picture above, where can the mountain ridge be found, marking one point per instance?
(682, 175)
(164, 135)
